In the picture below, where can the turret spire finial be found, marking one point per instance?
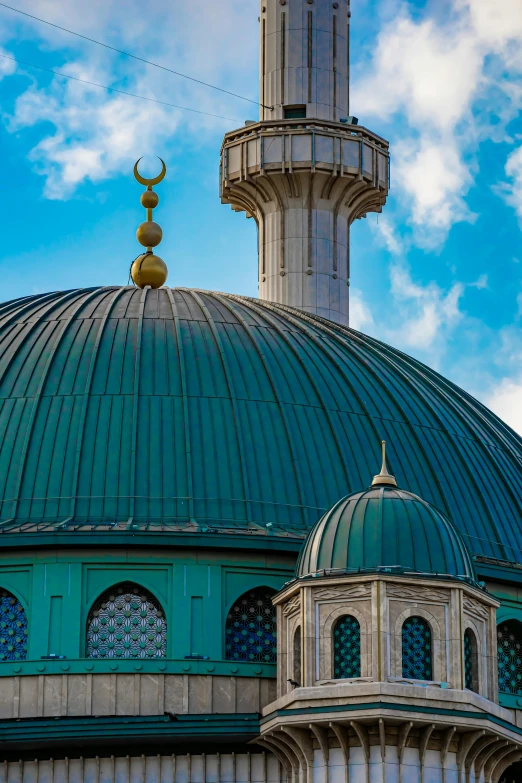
(384, 479)
(149, 269)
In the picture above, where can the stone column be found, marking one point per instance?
(305, 172)
(304, 59)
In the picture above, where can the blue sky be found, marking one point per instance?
(438, 274)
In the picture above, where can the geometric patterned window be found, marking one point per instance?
(13, 628)
(416, 650)
(250, 631)
(126, 622)
(347, 648)
(509, 651)
(470, 661)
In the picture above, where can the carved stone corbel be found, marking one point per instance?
(321, 735)
(478, 747)
(485, 755)
(495, 759)
(466, 743)
(342, 736)
(287, 751)
(504, 763)
(362, 733)
(303, 746)
(446, 741)
(425, 738)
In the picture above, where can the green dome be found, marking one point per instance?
(385, 527)
(176, 409)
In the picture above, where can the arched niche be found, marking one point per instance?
(251, 627)
(126, 621)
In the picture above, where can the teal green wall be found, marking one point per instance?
(510, 596)
(196, 589)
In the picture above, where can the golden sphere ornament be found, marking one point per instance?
(149, 269)
(149, 234)
(149, 199)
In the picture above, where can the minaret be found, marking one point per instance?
(306, 170)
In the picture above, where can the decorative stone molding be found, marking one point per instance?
(416, 593)
(294, 605)
(343, 591)
(382, 749)
(57, 695)
(474, 608)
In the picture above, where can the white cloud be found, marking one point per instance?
(512, 190)
(424, 69)
(7, 67)
(436, 79)
(360, 315)
(506, 401)
(89, 134)
(433, 176)
(95, 135)
(480, 283)
(427, 314)
(495, 23)
(388, 235)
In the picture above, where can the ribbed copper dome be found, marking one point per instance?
(188, 408)
(385, 527)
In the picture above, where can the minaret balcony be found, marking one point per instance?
(299, 147)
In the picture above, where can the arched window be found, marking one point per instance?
(297, 655)
(13, 628)
(126, 622)
(347, 648)
(416, 649)
(470, 661)
(509, 651)
(250, 631)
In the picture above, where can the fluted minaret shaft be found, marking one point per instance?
(305, 58)
(305, 171)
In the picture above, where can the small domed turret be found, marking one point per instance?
(385, 527)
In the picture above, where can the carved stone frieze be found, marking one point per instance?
(343, 591)
(293, 605)
(416, 593)
(475, 608)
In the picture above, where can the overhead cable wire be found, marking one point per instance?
(133, 56)
(114, 89)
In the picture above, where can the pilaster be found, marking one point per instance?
(308, 637)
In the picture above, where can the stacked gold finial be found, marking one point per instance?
(148, 268)
(384, 478)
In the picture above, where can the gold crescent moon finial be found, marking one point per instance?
(148, 269)
(150, 182)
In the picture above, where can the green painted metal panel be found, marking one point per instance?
(58, 588)
(55, 638)
(385, 527)
(197, 635)
(174, 405)
(80, 732)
